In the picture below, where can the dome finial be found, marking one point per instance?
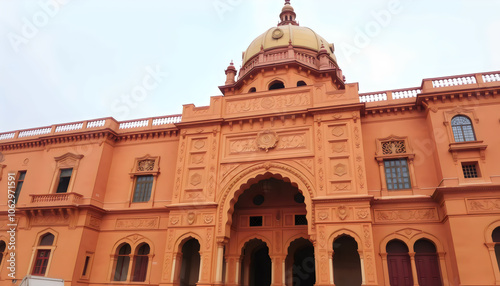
(287, 15)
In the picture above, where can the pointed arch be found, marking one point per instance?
(342, 232)
(179, 243)
(255, 236)
(245, 176)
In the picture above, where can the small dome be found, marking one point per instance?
(287, 7)
(281, 36)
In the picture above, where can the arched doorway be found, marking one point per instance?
(427, 262)
(399, 264)
(300, 264)
(271, 210)
(346, 262)
(190, 266)
(256, 264)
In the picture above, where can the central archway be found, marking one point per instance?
(245, 176)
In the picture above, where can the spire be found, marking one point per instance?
(287, 15)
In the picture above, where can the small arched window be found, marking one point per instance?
(301, 83)
(122, 263)
(253, 89)
(43, 254)
(462, 129)
(141, 260)
(276, 85)
(496, 239)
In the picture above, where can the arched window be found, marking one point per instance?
(122, 263)
(253, 89)
(427, 262)
(43, 255)
(301, 83)
(276, 85)
(496, 238)
(399, 263)
(141, 260)
(462, 129)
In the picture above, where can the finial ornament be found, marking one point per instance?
(287, 2)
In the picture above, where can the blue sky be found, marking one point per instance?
(77, 60)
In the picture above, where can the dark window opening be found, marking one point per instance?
(256, 221)
(47, 239)
(258, 200)
(301, 83)
(470, 170)
(122, 263)
(64, 178)
(300, 220)
(2, 250)
(19, 185)
(85, 266)
(496, 238)
(143, 187)
(462, 129)
(397, 174)
(276, 85)
(399, 263)
(141, 264)
(299, 198)
(253, 89)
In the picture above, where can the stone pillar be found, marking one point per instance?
(413, 268)
(220, 262)
(330, 265)
(386, 269)
(361, 262)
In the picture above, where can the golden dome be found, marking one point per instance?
(278, 37)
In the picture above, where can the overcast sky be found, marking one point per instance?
(82, 59)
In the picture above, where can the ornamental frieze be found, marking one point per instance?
(268, 103)
(483, 205)
(415, 215)
(137, 223)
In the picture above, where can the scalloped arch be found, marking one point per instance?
(179, 242)
(252, 237)
(344, 232)
(244, 178)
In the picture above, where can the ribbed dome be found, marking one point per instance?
(280, 36)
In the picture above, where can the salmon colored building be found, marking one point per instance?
(290, 177)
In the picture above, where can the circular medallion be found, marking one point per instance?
(267, 140)
(258, 200)
(277, 33)
(267, 103)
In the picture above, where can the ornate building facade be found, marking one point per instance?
(291, 177)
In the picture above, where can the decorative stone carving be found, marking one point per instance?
(337, 131)
(483, 205)
(195, 179)
(427, 214)
(323, 215)
(340, 169)
(191, 218)
(199, 144)
(197, 159)
(362, 214)
(94, 222)
(265, 103)
(342, 212)
(339, 147)
(366, 233)
(145, 165)
(393, 147)
(267, 140)
(137, 223)
(174, 220)
(208, 219)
